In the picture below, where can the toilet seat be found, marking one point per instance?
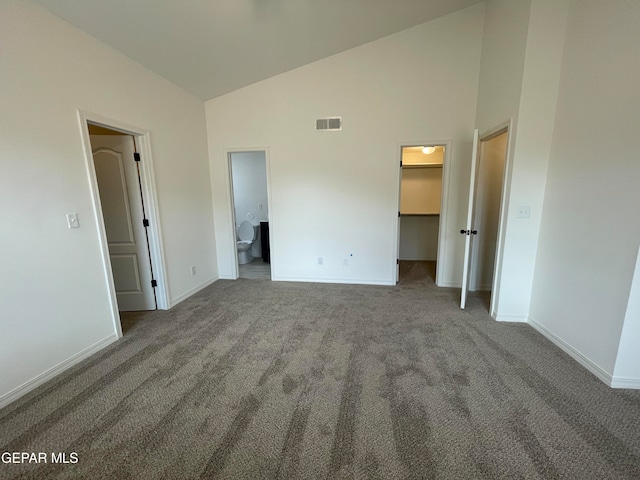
(246, 232)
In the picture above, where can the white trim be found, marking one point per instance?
(154, 232)
(573, 353)
(193, 291)
(444, 205)
(504, 208)
(345, 281)
(35, 382)
(625, 382)
(507, 317)
(147, 180)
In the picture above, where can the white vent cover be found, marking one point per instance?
(329, 123)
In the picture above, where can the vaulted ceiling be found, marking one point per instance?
(212, 47)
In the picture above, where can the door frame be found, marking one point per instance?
(444, 204)
(149, 197)
(504, 206)
(231, 207)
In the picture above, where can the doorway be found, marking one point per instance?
(115, 159)
(491, 166)
(420, 207)
(150, 241)
(485, 213)
(250, 207)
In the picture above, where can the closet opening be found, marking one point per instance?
(419, 215)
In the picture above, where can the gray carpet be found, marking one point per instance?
(253, 379)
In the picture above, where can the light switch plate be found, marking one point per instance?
(72, 220)
(524, 211)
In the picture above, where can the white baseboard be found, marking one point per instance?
(507, 317)
(193, 291)
(26, 387)
(625, 382)
(227, 277)
(344, 281)
(449, 284)
(575, 354)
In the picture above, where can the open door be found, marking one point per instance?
(468, 230)
(125, 223)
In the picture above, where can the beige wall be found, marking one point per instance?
(589, 234)
(53, 289)
(520, 71)
(339, 199)
(421, 190)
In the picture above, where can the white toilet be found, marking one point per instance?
(246, 235)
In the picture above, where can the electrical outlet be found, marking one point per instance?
(320, 261)
(72, 220)
(193, 269)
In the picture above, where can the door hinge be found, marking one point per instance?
(397, 261)
(400, 162)
(145, 222)
(398, 214)
(154, 283)
(136, 156)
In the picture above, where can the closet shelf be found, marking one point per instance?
(419, 214)
(423, 165)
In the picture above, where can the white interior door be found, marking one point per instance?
(123, 213)
(399, 222)
(468, 231)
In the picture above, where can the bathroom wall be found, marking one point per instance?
(249, 173)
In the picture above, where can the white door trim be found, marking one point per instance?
(504, 208)
(444, 205)
(231, 210)
(148, 187)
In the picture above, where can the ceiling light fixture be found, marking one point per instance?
(428, 150)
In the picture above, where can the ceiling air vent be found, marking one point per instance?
(329, 123)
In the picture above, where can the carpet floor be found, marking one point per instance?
(253, 379)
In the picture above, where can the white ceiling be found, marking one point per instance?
(212, 47)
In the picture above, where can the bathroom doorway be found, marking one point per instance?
(249, 188)
(420, 206)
